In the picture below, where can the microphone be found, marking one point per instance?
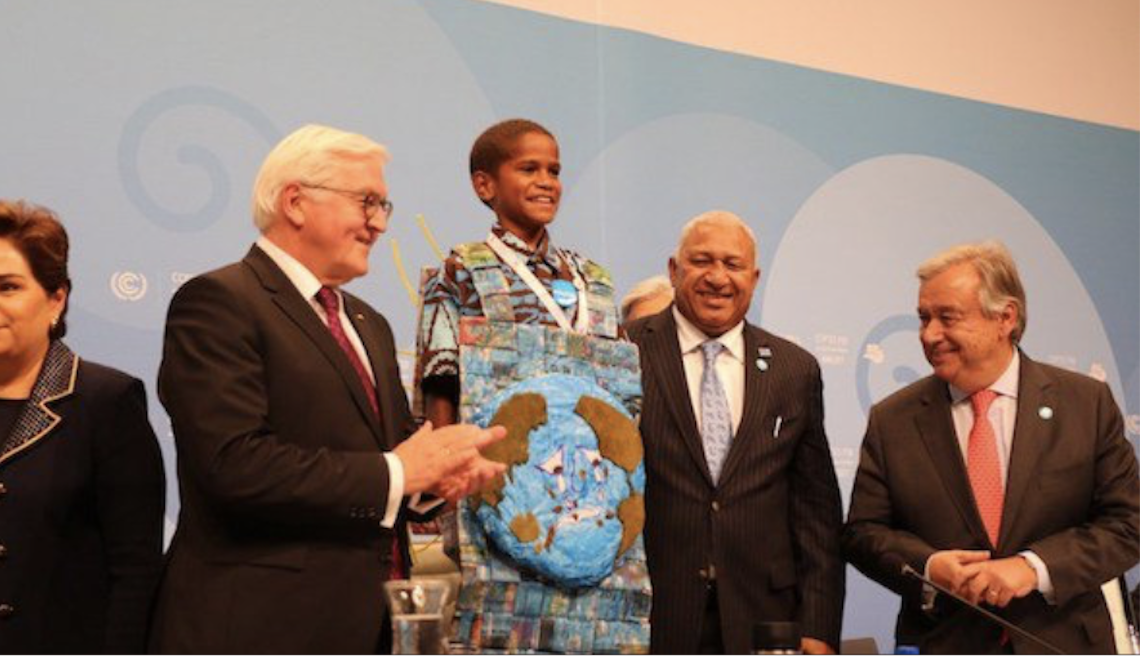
(907, 570)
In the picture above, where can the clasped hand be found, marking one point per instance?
(973, 575)
(447, 461)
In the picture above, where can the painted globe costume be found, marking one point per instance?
(551, 556)
(572, 501)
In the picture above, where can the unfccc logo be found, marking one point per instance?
(128, 285)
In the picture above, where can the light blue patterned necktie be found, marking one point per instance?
(716, 420)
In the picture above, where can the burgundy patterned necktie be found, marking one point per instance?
(330, 302)
(983, 465)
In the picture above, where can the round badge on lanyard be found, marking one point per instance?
(564, 292)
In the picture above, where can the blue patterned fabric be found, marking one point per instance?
(509, 602)
(473, 283)
(716, 420)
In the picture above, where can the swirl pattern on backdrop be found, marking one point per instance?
(190, 155)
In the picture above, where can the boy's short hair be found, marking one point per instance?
(495, 145)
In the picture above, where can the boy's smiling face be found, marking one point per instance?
(526, 190)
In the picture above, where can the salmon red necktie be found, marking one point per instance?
(983, 465)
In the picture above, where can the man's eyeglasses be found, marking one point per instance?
(371, 203)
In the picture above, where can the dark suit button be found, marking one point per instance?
(716, 506)
(6, 611)
(3, 552)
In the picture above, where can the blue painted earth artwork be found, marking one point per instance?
(561, 512)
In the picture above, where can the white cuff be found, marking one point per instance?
(395, 489)
(928, 593)
(1044, 583)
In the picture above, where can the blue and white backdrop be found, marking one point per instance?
(143, 123)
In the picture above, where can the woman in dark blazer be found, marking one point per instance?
(82, 489)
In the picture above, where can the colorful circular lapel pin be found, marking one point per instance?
(565, 293)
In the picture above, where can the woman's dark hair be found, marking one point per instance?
(36, 232)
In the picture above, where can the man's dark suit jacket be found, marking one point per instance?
(1071, 497)
(769, 531)
(82, 494)
(279, 546)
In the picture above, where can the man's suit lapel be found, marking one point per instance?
(936, 426)
(664, 352)
(1030, 440)
(384, 369)
(302, 314)
(756, 384)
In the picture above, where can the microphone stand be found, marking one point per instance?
(907, 570)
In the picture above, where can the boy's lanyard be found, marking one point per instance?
(511, 259)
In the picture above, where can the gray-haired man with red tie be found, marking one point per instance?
(1008, 481)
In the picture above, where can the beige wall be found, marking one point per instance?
(1073, 58)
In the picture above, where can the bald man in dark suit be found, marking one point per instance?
(743, 512)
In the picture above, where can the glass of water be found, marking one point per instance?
(418, 626)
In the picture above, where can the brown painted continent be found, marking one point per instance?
(618, 439)
(519, 414)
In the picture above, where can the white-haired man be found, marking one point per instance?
(743, 512)
(647, 297)
(1006, 480)
(291, 425)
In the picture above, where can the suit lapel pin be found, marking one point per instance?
(1045, 412)
(762, 361)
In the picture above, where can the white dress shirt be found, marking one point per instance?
(308, 285)
(729, 365)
